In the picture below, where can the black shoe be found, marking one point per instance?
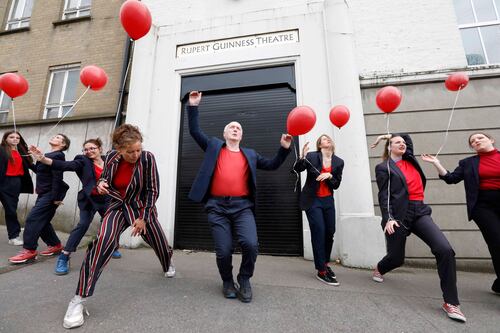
(228, 289)
(496, 287)
(326, 278)
(245, 292)
(330, 272)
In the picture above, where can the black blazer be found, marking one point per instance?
(84, 168)
(399, 200)
(311, 186)
(26, 182)
(468, 171)
(200, 189)
(51, 181)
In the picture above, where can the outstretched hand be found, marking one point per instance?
(286, 140)
(194, 98)
(429, 158)
(36, 153)
(305, 149)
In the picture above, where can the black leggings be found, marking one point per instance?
(418, 221)
(486, 214)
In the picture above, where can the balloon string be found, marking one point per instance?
(69, 111)
(388, 170)
(123, 88)
(449, 122)
(13, 114)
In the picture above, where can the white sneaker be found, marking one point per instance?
(74, 314)
(16, 241)
(171, 271)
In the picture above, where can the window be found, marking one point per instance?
(62, 91)
(19, 14)
(76, 8)
(479, 24)
(4, 107)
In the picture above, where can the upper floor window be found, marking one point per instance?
(19, 14)
(479, 24)
(4, 107)
(76, 8)
(62, 91)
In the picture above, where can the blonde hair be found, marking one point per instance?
(125, 135)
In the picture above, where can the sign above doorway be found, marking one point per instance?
(253, 41)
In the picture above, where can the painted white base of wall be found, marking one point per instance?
(363, 243)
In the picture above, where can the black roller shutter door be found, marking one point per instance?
(262, 111)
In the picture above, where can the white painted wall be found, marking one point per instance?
(406, 36)
(323, 79)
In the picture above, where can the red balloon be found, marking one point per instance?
(456, 81)
(339, 115)
(135, 18)
(388, 99)
(94, 77)
(300, 120)
(13, 84)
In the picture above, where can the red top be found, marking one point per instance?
(413, 180)
(324, 190)
(489, 170)
(15, 167)
(230, 175)
(97, 172)
(123, 176)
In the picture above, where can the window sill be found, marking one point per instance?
(72, 20)
(13, 31)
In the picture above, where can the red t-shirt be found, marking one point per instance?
(230, 175)
(413, 180)
(123, 175)
(489, 170)
(15, 167)
(323, 189)
(98, 173)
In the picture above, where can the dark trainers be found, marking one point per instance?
(496, 287)
(327, 278)
(245, 292)
(228, 289)
(62, 264)
(330, 272)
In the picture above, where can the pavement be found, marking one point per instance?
(132, 295)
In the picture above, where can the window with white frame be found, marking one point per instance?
(76, 8)
(479, 24)
(19, 14)
(4, 107)
(62, 91)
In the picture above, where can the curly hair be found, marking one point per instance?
(125, 135)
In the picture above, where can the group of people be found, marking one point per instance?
(123, 188)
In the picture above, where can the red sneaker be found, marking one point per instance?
(453, 311)
(51, 250)
(23, 256)
(377, 277)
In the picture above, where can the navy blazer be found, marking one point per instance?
(200, 190)
(468, 171)
(84, 168)
(26, 182)
(399, 199)
(51, 181)
(142, 191)
(311, 186)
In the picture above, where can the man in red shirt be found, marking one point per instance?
(226, 182)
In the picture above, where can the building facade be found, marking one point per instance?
(48, 42)
(339, 52)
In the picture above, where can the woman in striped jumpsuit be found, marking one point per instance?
(130, 179)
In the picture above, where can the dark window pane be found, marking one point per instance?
(472, 45)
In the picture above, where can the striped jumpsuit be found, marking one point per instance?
(139, 202)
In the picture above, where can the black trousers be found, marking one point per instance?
(38, 223)
(9, 196)
(418, 221)
(486, 214)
